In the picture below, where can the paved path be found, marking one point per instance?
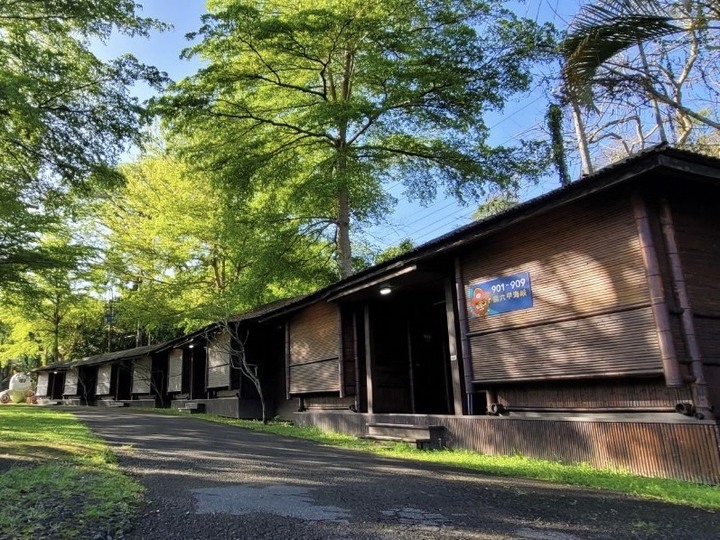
(206, 480)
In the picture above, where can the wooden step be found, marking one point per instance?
(421, 436)
(192, 408)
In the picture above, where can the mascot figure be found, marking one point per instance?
(20, 389)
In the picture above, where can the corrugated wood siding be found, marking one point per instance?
(322, 376)
(328, 402)
(314, 334)
(314, 350)
(175, 362)
(626, 393)
(349, 346)
(697, 230)
(686, 451)
(142, 376)
(104, 379)
(613, 344)
(709, 329)
(42, 384)
(71, 383)
(712, 376)
(218, 366)
(590, 311)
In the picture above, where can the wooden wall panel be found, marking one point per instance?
(175, 371)
(682, 450)
(42, 384)
(104, 379)
(322, 376)
(218, 364)
(709, 329)
(314, 350)
(697, 230)
(623, 393)
(349, 351)
(581, 261)
(314, 334)
(590, 314)
(142, 376)
(71, 383)
(612, 344)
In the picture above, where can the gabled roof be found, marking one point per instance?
(126, 354)
(661, 158)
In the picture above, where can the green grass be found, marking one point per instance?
(59, 480)
(672, 491)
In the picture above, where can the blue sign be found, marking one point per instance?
(499, 295)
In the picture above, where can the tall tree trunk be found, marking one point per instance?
(586, 160)
(344, 253)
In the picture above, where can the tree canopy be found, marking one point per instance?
(328, 100)
(65, 116)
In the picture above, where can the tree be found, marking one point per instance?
(228, 339)
(181, 252)
(327, 100)
(38, 308)
(644, 72)
(65, 116)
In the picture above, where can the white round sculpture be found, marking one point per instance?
(20, 389)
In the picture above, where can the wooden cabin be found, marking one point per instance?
(581, 326)
(204, 366)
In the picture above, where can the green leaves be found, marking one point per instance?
(328, 100)
(604, 29)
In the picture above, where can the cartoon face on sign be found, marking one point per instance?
(480, 302)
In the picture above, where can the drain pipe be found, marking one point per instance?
(464, 341)
(700, 387)
(671, 367)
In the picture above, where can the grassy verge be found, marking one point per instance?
(672, 491)
(58, 480)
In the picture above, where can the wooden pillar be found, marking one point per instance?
(408, 331)
(671, 367)
(453, 349)
(687, 317)
(464, 341)
(191, 393)
(287, 359)
(341, 353)
(368, 360)
(356, 360)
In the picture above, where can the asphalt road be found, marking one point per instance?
(207, 480)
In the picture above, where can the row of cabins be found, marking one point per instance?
(583, 326)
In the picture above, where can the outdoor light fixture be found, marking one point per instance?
(385, 290)
(191, 346)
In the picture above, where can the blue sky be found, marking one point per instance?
(410, 220)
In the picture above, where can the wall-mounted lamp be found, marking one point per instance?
(191, 346)
(385, 290)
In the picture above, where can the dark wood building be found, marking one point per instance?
(581, 326)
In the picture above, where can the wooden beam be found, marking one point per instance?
(368, 360)
(287, 359)
(687, 317)
(411, 374)
(341, 352)
(671, 367)
(453, 349)
(465, 350)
